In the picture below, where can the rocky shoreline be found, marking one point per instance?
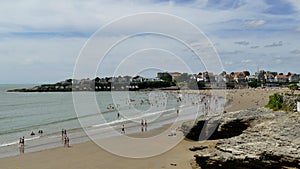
(253, 138)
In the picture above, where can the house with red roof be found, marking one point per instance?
(269, 77)
(281, 78)
(239, 77)
(294, 78)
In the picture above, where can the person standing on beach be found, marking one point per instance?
(20, 141)
(23, 141)
(21, 145)
(123, 129)
(65, 141)
(145, 123)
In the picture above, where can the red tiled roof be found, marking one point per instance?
(281, 76)
(239, 73)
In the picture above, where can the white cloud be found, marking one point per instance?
(247, 61)
(228, 62)
(242, 43)
(255, 23)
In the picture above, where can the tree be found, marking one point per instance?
(253, 84)
(247, 73)
(167, 78)
(293, 87)
(69, 80)
(97, 79)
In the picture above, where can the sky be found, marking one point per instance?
(47, 41)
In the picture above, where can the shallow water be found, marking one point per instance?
(21, 113)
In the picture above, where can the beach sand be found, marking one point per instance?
(90, 156)
(251, 98)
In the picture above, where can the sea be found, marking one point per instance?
(24, 113)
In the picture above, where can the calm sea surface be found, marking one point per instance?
(22, 113)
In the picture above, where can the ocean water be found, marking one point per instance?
(22, 113)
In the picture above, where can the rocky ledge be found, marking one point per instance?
(257, 138)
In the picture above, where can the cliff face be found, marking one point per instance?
(258, 138)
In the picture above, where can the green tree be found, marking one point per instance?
(247, 73)
(167, 78)
(253, 84)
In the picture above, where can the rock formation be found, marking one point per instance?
(257, 138)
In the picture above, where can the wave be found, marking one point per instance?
(125, 120)
(17, 142)
(9, 144)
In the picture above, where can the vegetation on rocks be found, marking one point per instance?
(275, 102)
(286, 102)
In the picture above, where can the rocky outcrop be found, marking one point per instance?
(217, 127)
(291, 101)
(257, 138)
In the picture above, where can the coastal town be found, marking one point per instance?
(175, 81)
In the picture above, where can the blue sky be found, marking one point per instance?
(41, 40)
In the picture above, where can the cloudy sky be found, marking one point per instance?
(42, 41)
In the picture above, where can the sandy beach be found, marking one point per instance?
(90, 156)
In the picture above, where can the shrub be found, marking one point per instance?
(275, 102)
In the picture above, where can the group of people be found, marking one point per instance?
(144, 125)
(33, 134)
(22, 140)
(65, 138)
